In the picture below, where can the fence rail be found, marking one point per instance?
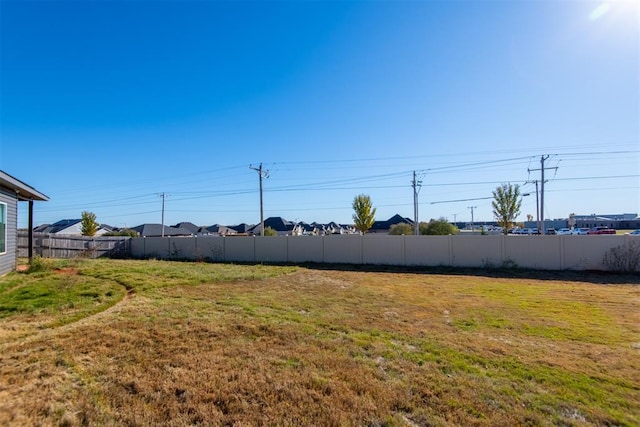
(57, 246)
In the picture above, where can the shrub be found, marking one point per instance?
(39, 264)
(440, 227)
(401, 229)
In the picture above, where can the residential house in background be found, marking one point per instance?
(385, 226)
(280, 225)
(332, 228)
(158, 230)
(216, 230)
(194, 229)
(241, 228)
(69, 227)
(12, 191)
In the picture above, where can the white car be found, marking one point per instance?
(580, 231)
(564, 231)
(634, 233)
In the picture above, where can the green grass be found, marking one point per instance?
(153, 274)
(62, 297)
(67, 290)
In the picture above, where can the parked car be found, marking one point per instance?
(550, 231)
(580, 231)
(634, 233)
(601, 230)
(564, 231)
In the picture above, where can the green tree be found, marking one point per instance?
(364, 215)
(270, 232)
(506, 205)
(89, 226)
(401, 229)
(440, 227)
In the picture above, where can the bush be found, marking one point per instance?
(39, 264)
(440, 227)
(270, 232)
(401, 229)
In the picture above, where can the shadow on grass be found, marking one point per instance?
(593, 277)
(587, 276)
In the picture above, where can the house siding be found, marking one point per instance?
(8, 259)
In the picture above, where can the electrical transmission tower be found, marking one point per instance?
(261, 174)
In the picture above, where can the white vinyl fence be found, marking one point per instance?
(535, 252)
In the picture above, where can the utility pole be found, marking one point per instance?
(415, 184)
(542, 181)
(455, 219)
(537, 208)
(535, 181)
(163, 195)
(472, 208)
(261, 174)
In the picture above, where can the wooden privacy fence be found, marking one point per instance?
(58, 246)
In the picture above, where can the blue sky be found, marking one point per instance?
(104, 105)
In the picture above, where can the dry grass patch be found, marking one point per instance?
(332, 348)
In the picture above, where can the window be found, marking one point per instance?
(3, 228)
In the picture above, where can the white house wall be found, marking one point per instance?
(76, 230)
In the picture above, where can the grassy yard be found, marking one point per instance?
(110, 342)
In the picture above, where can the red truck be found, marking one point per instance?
(601, 230)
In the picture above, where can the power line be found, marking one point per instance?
(461, 200)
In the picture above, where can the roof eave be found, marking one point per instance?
(23, 191)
